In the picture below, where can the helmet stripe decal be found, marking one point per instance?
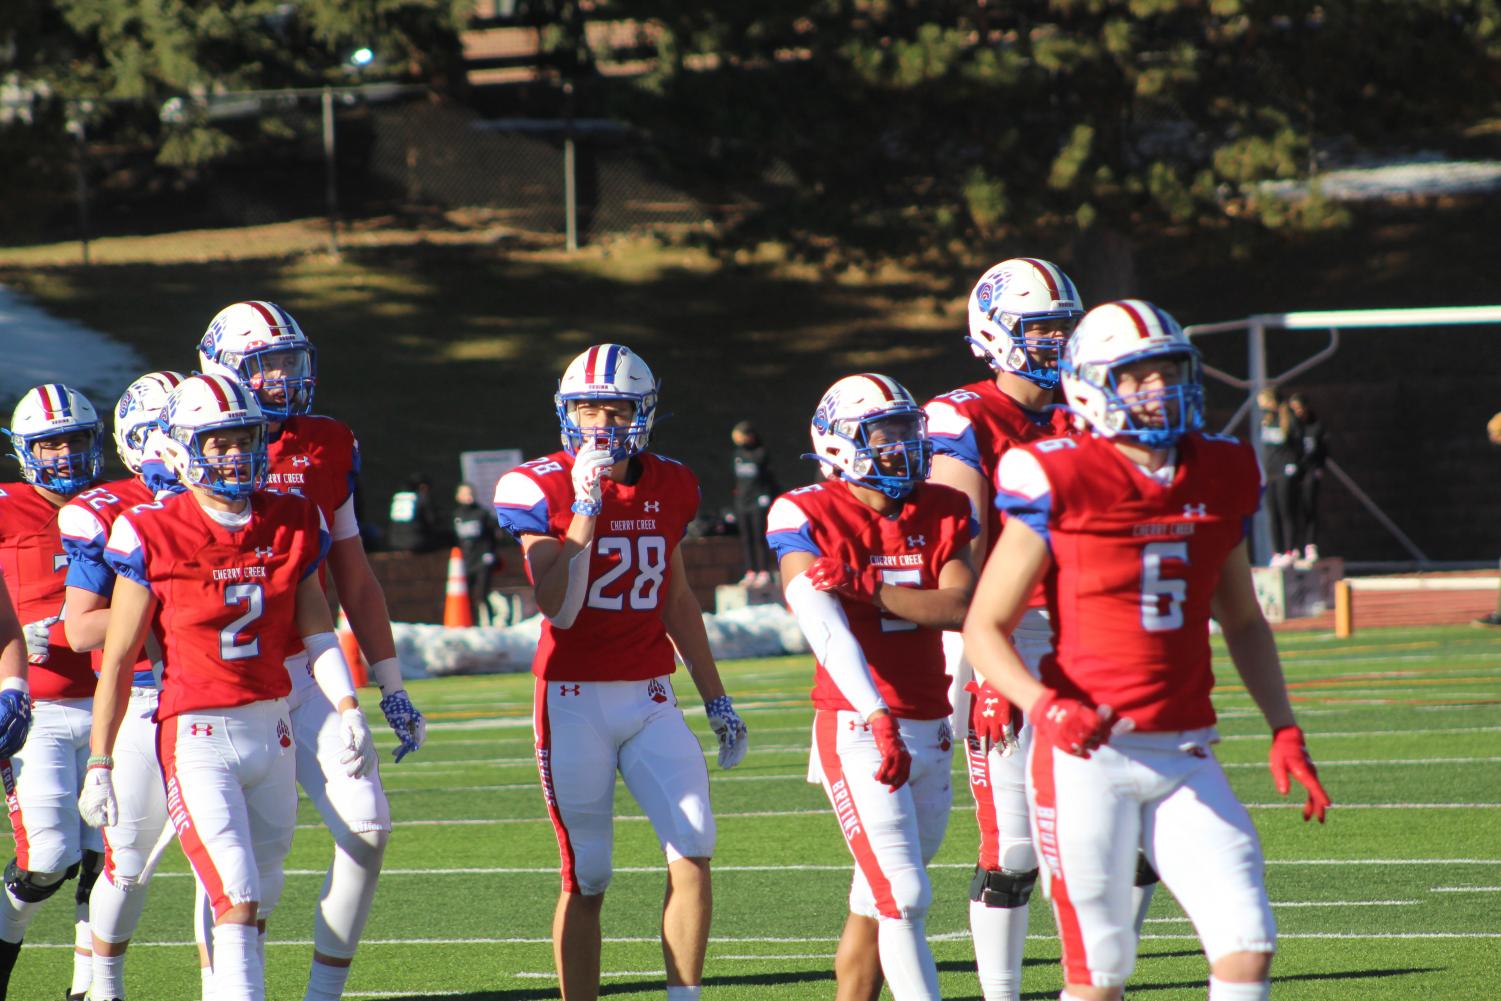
(612, 354)
(286, 318)
(1129, 308)
(589, 364)
(57, 405)
(883, 384)
(1047, 276)
(260, 307)
(217, 385)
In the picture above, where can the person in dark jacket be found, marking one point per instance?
(1313, 453)
(1280, 447)
(478, 535)
(755, 487)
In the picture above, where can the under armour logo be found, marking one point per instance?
(264, 552)
(1195, 510)
(201, 729)
(564, 689)
(989, 709)
(651, 505)
(301, 460)
(916, 541)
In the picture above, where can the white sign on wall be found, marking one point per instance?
(483, 469)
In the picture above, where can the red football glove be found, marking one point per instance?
(1290, 757)
(829, 574)
(896, 761)
(991, 715)
(1069, 724)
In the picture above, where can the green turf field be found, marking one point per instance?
(1398, 897)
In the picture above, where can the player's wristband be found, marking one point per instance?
(587, 508)
(100, 761)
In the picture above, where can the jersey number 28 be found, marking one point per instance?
(648, 558)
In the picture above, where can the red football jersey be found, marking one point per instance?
(1135, 566)
(227, 616)
(35, 566)
(977, 424)
(84, 524)
(314, 457)
(618, 634)
(910, 550)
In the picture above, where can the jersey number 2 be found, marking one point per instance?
(650, 564)
(1159, 615)
(253, 598)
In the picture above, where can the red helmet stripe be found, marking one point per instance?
(1047, 276)
(286, 318)
(266, 314)
(589, 364)
(888, 391)
(49, 396)
(216, 385)
(1129, 308)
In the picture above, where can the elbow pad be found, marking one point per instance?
(330, 670)
(824, 623)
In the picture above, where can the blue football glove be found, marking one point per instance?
(405, 721)
(15, 720)
(729, 728)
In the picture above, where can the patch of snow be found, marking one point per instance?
(1419, 176)
(43, 348)
(429, 651)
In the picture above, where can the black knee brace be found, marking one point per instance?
(24, 886)
(88, 874)
(1145, 874)
(1002, 887)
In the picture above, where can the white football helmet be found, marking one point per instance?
(1118, 334)
(1011, 298)
(260, 344)
(136, 416)
(869, 430)
(50, 411)
(607, 372)
(199, 407)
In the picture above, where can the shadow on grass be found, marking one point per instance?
(1342, 975)
(650, 986)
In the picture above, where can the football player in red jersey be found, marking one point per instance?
(131, 846)
(876, 563)
(262, 346)
(599, 524)
(1020, 313)
(1136, 530)
(224, 576)
(58, 439)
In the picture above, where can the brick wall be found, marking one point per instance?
(414, 582)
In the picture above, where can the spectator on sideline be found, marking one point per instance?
(1279, 454)
(1313, 452)
(755, 486)
(414, 521)
(478, 536)
(1493, 433)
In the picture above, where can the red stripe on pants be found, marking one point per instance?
(17, 822)
(543, 731)
(826, 735)
(187, 831)
(1044, 784)
(980, 787)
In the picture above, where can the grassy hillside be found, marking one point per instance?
(433, 343)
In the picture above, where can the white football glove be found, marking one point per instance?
(589, 468)
(38, 638)
(358, 756)
(729, 728)
(96, 804)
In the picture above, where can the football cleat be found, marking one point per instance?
(1123, 333)
(607, 372)
(1021, 312)
(869, 430)
(51, 411)
(261, 345)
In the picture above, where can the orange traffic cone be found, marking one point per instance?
(456, 611)
(359, 672)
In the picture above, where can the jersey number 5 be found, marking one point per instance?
(253, 598)
(650, 563)
(1162, 597)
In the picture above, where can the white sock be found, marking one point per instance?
(326, 983)
(109, 976)
(1000, 936)
(206, 980)
(237, 970)
(115, 913)
(83, 951)
(683, 993)
(1141, 902)
(1224, 990)
(906, 960)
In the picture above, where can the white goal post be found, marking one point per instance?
(1334, 321)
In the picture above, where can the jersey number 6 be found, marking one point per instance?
(1162, 597)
